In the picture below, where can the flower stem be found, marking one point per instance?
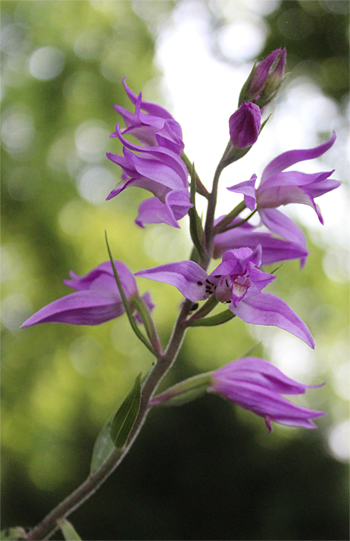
(46, 528)
(209, 224)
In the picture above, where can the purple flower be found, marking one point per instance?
(256, 385)
(244, 125)
(160, 171)
(265, 79)
(280, 187)
(273, 249)
(237, 281)
(95, 301)
(155, 127)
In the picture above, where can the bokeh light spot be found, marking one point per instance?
(17, 130)
(339, 441)
(91, 139)
(46, 63)
(243, 39)
(95, 183)
(86, 355)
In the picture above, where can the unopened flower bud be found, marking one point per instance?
(264, 79)
(244, 125)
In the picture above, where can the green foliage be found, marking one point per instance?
(102, 448)
(126, 415)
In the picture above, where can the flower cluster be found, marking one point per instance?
(238, 281)
(156, 166)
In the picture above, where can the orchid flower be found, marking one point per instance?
(279, 187)
(237, 281)
(256, 385)
(273, 249)
(96, 300)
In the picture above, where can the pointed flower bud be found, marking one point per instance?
(244, 125)
(264, 79)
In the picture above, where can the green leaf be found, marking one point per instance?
(126, 415)
(12, 534)
(126, 302)
(68, 530)
(102, 448)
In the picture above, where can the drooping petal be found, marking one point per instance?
(90, 307)
(188, 277)
(267, 309)
(294, 156)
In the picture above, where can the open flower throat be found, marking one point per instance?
(228, 288)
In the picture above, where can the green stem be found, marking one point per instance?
(209, 224)
(49, 524)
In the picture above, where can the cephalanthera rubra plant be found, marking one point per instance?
(158, 164)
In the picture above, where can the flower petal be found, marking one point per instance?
(261, 372)
(188, 277)
(80, 308)
(279, 223)
(247, 188)
(273, 249)
(294, 156)
(268, 309)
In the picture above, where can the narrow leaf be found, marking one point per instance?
(102, 448)
(126, 415)
(68, 530)
(126, 302)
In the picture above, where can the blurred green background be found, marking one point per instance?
(207, 470)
